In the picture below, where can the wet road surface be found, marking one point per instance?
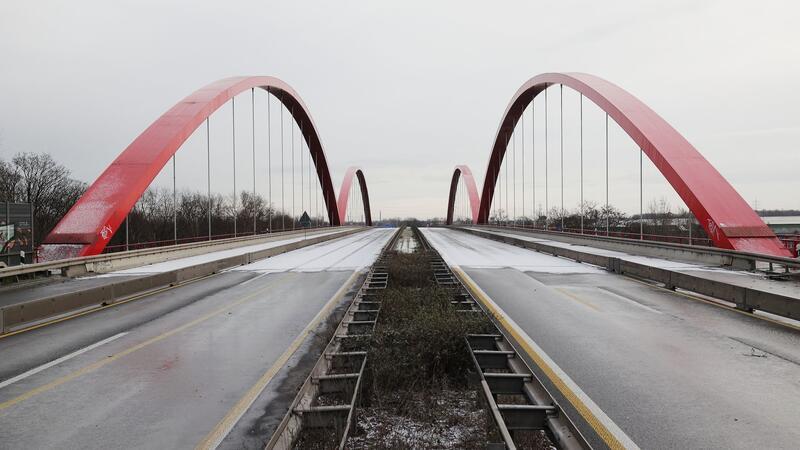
(670, 371)
(164, 371)
(20, 294)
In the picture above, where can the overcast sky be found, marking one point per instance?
(409, 89)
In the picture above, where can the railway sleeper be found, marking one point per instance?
(337, 383)
(526, 417)
(493, 359)
(345, 361)
(363, 315)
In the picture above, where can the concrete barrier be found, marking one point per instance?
(16, 316)
(675, 252)
(746, 299)
(110, 262)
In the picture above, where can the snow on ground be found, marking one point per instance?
(353, 252)
(181, 263)
(645, 260)
(467, 250)
(406, 243)
(447, 419)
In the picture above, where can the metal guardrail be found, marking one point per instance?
(745, 298)
(710, 255)
(20, 315)
(108, 262)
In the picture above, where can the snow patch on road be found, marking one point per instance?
(181, 263)
(472, 251)
(354, 252)
(644, 260)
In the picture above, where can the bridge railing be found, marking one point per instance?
(106, 262)
(214, 237)
(790, 241)
(665, 249)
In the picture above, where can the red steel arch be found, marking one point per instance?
(344, 194)
(96, 216)
(729, 221)
(472, 192)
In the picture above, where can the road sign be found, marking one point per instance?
(305, 220)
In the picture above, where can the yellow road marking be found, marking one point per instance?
(105, 361)
(213, 438)
(608, 437)
(717, 304)
(111, 305)
(577, 299)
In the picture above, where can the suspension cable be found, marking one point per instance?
(607, 210)
(253, 116)
(293, 124)
(269, 160)
(533, 158)
(561, 139)
(546, 166)
(208, 172)
(302, 171)
(233, 136)
(283, 180)
(174, 204)
(641, 195)
(522, 131)
(583, 212)
(514, 170)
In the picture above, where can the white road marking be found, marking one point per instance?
(54, 362)
(631, 301)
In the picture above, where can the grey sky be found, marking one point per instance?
(409, 89)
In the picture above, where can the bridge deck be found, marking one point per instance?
(177, 362)
(670, 371)
(734, 277)
(58, 285)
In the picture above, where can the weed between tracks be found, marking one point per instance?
(417, 392)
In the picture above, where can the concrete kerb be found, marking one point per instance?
(16, 316)
(746, 299)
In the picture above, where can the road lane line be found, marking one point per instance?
(101, 307)
(716, 302)
(105, 361)
(629, 300)
(604, 427)
(575, 297)
(54, 362)
(224, 426)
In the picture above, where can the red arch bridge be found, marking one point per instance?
(98, 215)
(727, 219)
(576, 340)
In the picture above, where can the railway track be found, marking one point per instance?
(519, 411)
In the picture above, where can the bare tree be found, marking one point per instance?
(45, 184)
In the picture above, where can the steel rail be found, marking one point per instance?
(340, 368)
(502, 371)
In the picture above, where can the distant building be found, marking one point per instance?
(16, 233)
(784, 224)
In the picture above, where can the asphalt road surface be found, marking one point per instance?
(669, 370)
(56, 286)
(175, 369)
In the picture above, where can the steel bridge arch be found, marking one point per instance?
(344, 194)
(727, 218)
(463, 171)
(97, 215)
